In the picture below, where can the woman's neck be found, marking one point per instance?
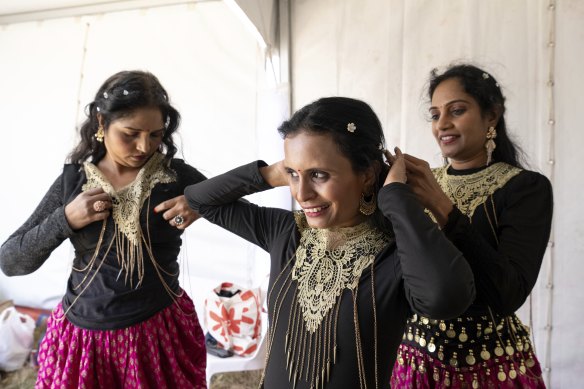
(118, 175)
(477, 161)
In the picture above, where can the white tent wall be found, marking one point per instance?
(382, 51)
(378, 50)
(216, 76)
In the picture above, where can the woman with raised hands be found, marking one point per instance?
(499, 215)
(350, 267)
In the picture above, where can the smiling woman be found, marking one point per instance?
(323, 182)
(499, 215)
(339, 287)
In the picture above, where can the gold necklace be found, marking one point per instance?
(128, 236)
(469, 191)
(328, 261)
(126, 206)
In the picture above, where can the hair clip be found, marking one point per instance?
(351, 127)
(97, 108)
(105, 95)
(380, 146)
(125, 92)
(485, 76)
(497, 84)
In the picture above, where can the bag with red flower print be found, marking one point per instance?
(233, 320)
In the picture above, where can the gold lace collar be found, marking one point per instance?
(127, 204)
(469, 191)
(329, 261)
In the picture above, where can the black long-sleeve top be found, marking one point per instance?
(504, 241)
(505, 267)
(421, 272)
(109, 302)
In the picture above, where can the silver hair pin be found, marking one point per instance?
(98, 109)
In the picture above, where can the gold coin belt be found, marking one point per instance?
(470, 343)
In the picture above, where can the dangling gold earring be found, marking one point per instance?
(490, 144)
(367, 207)
(99, 134)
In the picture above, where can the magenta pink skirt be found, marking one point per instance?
(165, 351)
(416, 370)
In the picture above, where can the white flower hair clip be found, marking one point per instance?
(485, 76)
(351, 127)
(380, 146)
(105, 95)
(125, 92)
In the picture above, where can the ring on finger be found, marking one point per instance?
(178, 220)
(99, 206)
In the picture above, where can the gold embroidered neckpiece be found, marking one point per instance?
(126, 206)
(469, 191)
(329, 261)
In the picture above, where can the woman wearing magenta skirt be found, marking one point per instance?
(124, 321)
(499, 215)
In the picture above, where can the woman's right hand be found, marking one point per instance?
(427, 189)
(88, 207)
(275, 174)
(397, 167)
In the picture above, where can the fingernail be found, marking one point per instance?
(155, 211)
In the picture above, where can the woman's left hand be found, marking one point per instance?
(177, 212)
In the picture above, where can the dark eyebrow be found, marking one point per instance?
(139, 129)
(450, 103)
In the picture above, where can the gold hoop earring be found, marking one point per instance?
(490, 143)
(367, 207)
(99, 134)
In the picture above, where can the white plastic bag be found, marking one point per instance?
(16, 338)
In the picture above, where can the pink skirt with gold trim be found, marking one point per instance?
(165, 351)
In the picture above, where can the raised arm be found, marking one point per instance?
(437, 279)
(219, 200)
